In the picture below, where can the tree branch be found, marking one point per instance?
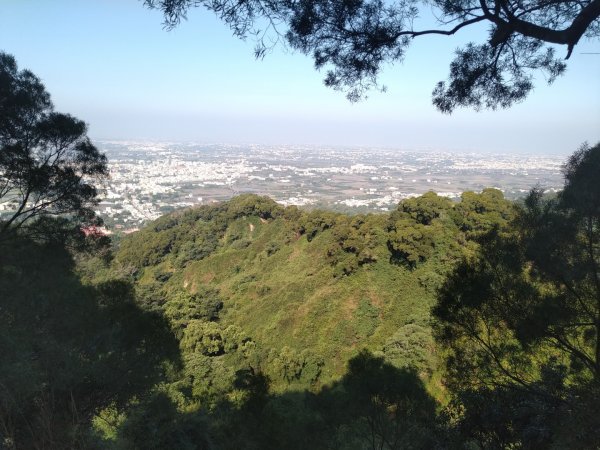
(443, 32)
(569, 36)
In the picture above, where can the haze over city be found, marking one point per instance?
(112, 64)
(150, 179)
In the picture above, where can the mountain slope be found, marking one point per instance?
(295, 294)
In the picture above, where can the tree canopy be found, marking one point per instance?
(353, 39)
(48, 165)
(69, 349)
(521, 319)
(248, 295)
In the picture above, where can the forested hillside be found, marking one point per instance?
(245, 324)
(250, 284)
(282, 300)
(295, 294)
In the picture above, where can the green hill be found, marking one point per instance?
(296, 294)
(248, 325)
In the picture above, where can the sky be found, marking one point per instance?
(111, 64)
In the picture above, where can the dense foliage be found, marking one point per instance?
(245, 324)
(69, 350)
(49, 169)
(253, 271)
(290, 320)
(522, 319)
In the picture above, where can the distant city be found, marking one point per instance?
(150, 179)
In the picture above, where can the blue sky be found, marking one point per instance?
(110, 63)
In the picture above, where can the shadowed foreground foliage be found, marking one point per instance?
(374, 406)
(68, 350)
(521, 321)
(249, 325)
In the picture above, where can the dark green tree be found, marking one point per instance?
(521, 319)
(414, 227)
(156, 424)
(48, 166)
(353, 39)
(69, 350)
(477, 213)
(425, 208)
(183, 307)
(410, 243)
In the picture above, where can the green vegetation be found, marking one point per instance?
(275, 309)
(248, 325)
(521, 320)
(302, 292)
(48, 165)
(69, 349)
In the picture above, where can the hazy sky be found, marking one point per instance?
(110, 63)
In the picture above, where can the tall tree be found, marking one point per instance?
(69, 350)
(354, 38)
(48, 165)
(521, 320)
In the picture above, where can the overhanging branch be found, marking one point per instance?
(569, 36)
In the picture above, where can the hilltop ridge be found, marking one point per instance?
(299, 293)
